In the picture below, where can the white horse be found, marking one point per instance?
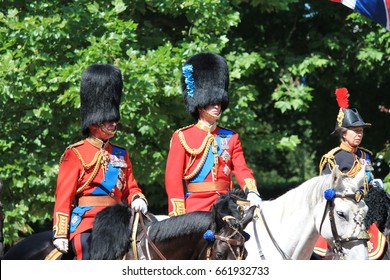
(289, 226)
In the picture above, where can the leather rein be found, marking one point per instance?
(260, 215)
(135, 217)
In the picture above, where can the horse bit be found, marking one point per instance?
(363, 235)
(231, 222)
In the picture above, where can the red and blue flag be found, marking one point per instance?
(376, 10)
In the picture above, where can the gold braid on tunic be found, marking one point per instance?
(208, 140)
(101, 158)
(329, 158)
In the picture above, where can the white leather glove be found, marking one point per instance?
(254, 198)
(377, 183)
(139, 204)
(62, 244)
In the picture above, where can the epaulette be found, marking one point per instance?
(75, 144)
(228, 129)
(332, 152)
(184, 128)
(71, 147)
(329, 159)
(116, 145)
(366, 150)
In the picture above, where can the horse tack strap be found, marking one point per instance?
(261, 216)
(134, 225)
(148, 239)
(233, 242)
(257, 241)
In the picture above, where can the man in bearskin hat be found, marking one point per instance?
(349, 156)
(203, 156)
(93, 173)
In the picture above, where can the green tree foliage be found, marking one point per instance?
(285, 58)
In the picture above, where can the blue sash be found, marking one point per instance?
(104, 188)
(367, 157)
(111, 177)
(209, 162)
(77, 213)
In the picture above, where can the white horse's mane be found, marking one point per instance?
(309, 193)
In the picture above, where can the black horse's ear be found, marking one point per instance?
(248, 217)
(217, 222)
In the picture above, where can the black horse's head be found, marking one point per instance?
(229, 224)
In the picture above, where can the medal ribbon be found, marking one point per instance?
(111, 176)
(209, 162)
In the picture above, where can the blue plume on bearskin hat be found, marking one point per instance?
(205, 81)
(100, 95)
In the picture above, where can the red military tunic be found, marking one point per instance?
(76, 179)
(186, 158)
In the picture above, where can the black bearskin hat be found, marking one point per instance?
(347, 117)
(100, 95)
(205, 81)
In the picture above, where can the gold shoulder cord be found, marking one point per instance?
(328, 158)
(95, 162)
(208, 140)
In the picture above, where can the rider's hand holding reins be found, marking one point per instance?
(254, 198)
(62, 244)
(139, 204)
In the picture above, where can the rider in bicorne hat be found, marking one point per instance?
(94, 173)
(349, 156)
(203, 156)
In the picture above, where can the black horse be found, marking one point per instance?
(200, 235)
(378, 202)
(37, 246)
(218, 234)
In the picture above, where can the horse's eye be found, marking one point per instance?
(340, 214)
(219, 256)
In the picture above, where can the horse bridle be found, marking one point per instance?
(229, 240)
(337, 241)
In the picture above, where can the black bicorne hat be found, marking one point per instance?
(100, 95)
(205, 81)
(347, 117)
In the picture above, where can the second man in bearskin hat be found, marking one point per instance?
(94, 173)
(203, 156)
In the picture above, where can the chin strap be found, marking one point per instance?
(212, 116)
(106, 131)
